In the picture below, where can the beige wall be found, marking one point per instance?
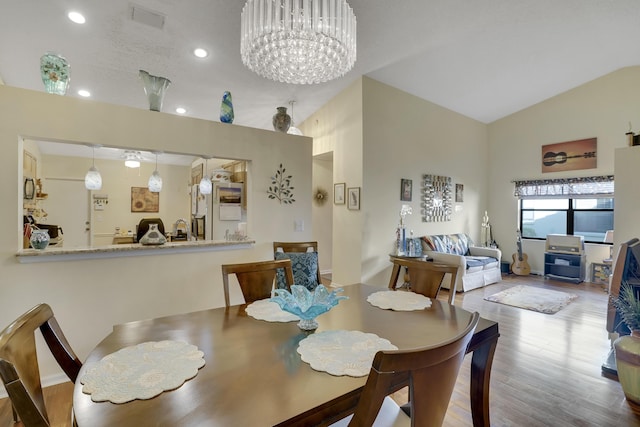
(601, 108)
(381, 135)
(337, 128)
(90, 296)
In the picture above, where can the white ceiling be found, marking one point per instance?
(485, 59)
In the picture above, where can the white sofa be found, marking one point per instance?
(477, 266)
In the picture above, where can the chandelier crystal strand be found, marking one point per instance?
(298, 41)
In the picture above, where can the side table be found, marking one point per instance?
(600, 272)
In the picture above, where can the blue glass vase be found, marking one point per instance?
(226, 108)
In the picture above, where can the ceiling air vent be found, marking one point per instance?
(147, 17)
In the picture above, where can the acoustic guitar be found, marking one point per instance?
(552, 158)
(520, 266)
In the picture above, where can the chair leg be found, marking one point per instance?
(15, 414)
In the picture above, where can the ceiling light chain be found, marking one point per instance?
(298, 41)
(292, 129)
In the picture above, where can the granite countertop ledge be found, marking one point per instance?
(53, 253)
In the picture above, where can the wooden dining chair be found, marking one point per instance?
(425, 277)
(432, 375)
(19, 363)
(299, 247)
(256, 279)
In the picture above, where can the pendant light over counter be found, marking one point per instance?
(93, 179)
(205, 183)
(155, 180)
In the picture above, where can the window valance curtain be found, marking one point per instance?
(575, 188)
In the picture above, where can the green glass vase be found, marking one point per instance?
(55, 73)
(226, 108)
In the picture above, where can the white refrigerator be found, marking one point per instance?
(221, 210)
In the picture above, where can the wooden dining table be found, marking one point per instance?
(253, 375)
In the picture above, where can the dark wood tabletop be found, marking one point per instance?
(253, 375)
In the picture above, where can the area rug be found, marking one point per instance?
(532, 298)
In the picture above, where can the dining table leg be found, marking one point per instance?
(481, 362)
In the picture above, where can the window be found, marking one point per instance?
(590, 218)
(576, 206)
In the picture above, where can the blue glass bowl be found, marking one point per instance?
(306, 304)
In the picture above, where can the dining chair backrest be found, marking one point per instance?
(256, 279)
(426, 277)
(299, 247)
(432, 375)
(19, 368)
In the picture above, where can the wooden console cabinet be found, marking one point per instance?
(567, 267)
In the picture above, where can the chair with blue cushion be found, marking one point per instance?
(304, 261)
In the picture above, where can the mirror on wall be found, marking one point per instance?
(112, 214)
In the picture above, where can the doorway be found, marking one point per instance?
(75, 223)
(322, 213)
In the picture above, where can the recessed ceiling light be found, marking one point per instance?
(181, 110)
(200, 53)
(84, 93)
(76, 17)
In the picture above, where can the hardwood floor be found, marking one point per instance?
(546, 370)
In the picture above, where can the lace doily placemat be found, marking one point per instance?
(342, 352)
(269, 311)
(142, 371)
(399, 300)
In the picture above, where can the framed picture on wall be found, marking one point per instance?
(459, 191)
(353, 195)
(569, 156)
(406, 189)
(143, 200)
(338, 193)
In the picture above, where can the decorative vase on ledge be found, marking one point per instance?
(154, 88)
(39, 239)
(281, 120)
(226, 108)
(55, 72)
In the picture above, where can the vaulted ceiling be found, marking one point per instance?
(483, 59)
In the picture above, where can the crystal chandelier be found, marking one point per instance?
(298, 41)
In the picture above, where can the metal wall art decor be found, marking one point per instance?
(436, 198)
(280, 188)
(320, 196)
